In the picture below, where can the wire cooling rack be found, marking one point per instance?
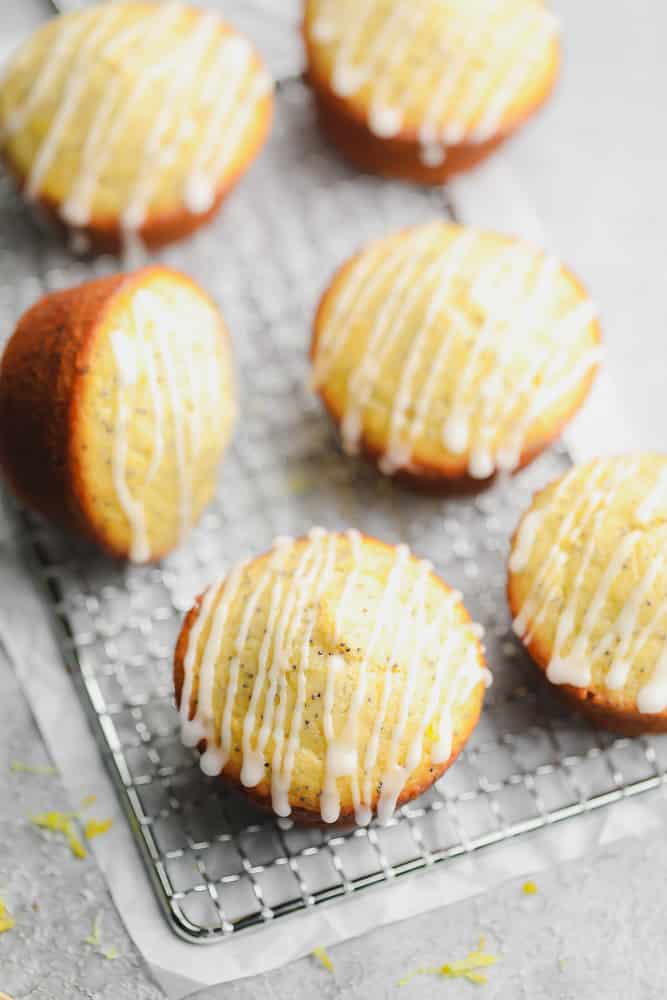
(218, 866)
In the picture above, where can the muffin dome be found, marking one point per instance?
(421, 89)
(448, 353)
(129, 119)
(116, 404)
(588, 589)
(333, 677)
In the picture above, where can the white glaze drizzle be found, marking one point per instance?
(214, 756)
(149, 351)
(624, 626)
(346, 744)
(61, 50)
(586, 504)
(381, 62)
(404, 294)
(525, 539)
(200, 185)
(126, 366)
(193, 730)
(252, 770)
(445, 267)
(81, 42)
(656, 501)
(73, 90)
(338, 760)
(190, 56)
(363, 280)
(395, 775)
(516, 303)
(151, 309)
(294, 597)
(405, 631)
(273, 721)
(456, 430)
(621, 637)
(283, 763)
(109, 122)
(433, 139)
(575, 666)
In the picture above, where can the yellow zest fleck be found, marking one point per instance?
(94, 827)
(530, 888)
(298, 483)
(18, 767)
(6, 919)
(418, 972)
(95, 939)
(95, 936)
(59, 822)
(89, 800)
(465, 968)
(323, 957)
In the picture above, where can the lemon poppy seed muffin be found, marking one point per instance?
(422, 89)
(133, 120)
(116, 404)
(588, 589)
(447, 353)
(333, 677)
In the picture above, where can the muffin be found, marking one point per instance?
(445, 353)
(423, 89)
(333, 677)
(116, 404)
(588, 589)
(132, 120)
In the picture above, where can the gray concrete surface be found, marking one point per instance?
(594, 166)
(54, 897)
(593, 931)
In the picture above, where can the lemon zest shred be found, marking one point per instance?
(423, 971)
(18, 767)
(322, 956)
(6, 919)
(88, 800)
(299, 483)
(58, 822)
(530, 887)
(463, 968)
(109, 953)
(478, 978)
(95, 936)
(95, 827)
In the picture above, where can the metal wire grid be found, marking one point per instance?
(218, 865)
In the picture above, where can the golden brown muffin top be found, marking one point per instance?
(450, 348)
(127, 110)
(443, 70)
(328, 674)
(588, 580)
